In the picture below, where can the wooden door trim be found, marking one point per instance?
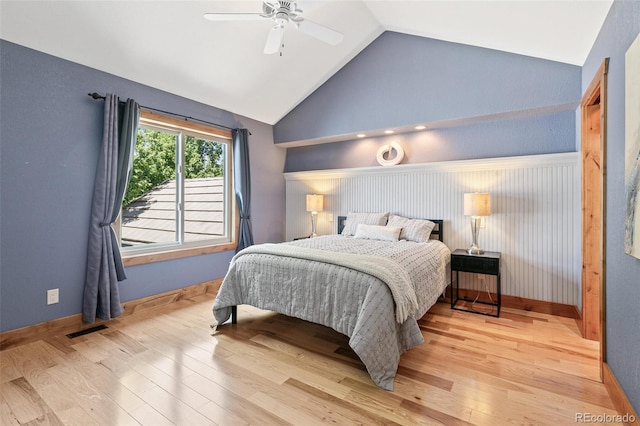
(596, 94)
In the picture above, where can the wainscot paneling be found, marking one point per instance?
(535, 205)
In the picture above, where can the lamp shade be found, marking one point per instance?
(315, 202)
(477, 204)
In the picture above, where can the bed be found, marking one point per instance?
(372, 282)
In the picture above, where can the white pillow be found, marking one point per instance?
(418, 230)
(355, 219)
(377, 232)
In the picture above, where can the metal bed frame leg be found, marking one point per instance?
(234, 315)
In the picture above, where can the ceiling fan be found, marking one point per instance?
(281, 13)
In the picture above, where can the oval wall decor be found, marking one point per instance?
(388, 149)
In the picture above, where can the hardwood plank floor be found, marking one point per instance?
(167, 366)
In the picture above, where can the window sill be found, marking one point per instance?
(160, 256)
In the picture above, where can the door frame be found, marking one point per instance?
(593, 108)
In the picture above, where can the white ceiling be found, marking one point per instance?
(170, 46)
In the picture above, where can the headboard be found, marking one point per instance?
(436, 234)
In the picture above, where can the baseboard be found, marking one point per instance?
(74, 323)
(532, 305)
(619, 398)
(541, 306)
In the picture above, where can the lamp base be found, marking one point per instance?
(475, 225)
(474, 249)
(314, 223)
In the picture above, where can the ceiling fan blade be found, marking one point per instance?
(320, 32)
(274, 40)
(233, 16)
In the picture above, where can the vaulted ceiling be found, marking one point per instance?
(170, 46)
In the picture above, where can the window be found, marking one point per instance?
(178, 201)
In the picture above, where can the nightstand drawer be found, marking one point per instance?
(479, 265)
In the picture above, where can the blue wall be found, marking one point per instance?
(50, 133)
(480, 102)
(533, 134)
(621, 27)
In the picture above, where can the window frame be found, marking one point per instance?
(192, 248)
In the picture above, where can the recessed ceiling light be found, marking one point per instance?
(421, 127)
(388, 131)
(361, 135)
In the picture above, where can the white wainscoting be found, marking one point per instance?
(535, 220)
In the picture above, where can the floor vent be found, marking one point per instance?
(86, 331)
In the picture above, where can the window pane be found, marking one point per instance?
(149, 206)
(178, 195)
(204, 189)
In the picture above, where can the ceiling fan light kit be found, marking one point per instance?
(281, 13)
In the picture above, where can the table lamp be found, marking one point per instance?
(476, 205)
(314, 205)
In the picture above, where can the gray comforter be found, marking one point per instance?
(350, 301)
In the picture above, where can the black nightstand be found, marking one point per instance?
(487, 263)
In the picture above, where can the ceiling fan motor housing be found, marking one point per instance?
(281, 18)
(281, 12)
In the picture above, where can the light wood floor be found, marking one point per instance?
(164, 366)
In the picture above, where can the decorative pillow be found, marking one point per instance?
(354, 219)
(418, 230)
(377, 232)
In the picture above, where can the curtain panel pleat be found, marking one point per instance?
(242, 185)
(104, 263)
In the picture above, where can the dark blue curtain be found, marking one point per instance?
(242, 185)
(104, 264)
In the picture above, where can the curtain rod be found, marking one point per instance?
(97, 96)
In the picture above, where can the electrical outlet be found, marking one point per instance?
(329, 217)
(53, 296)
